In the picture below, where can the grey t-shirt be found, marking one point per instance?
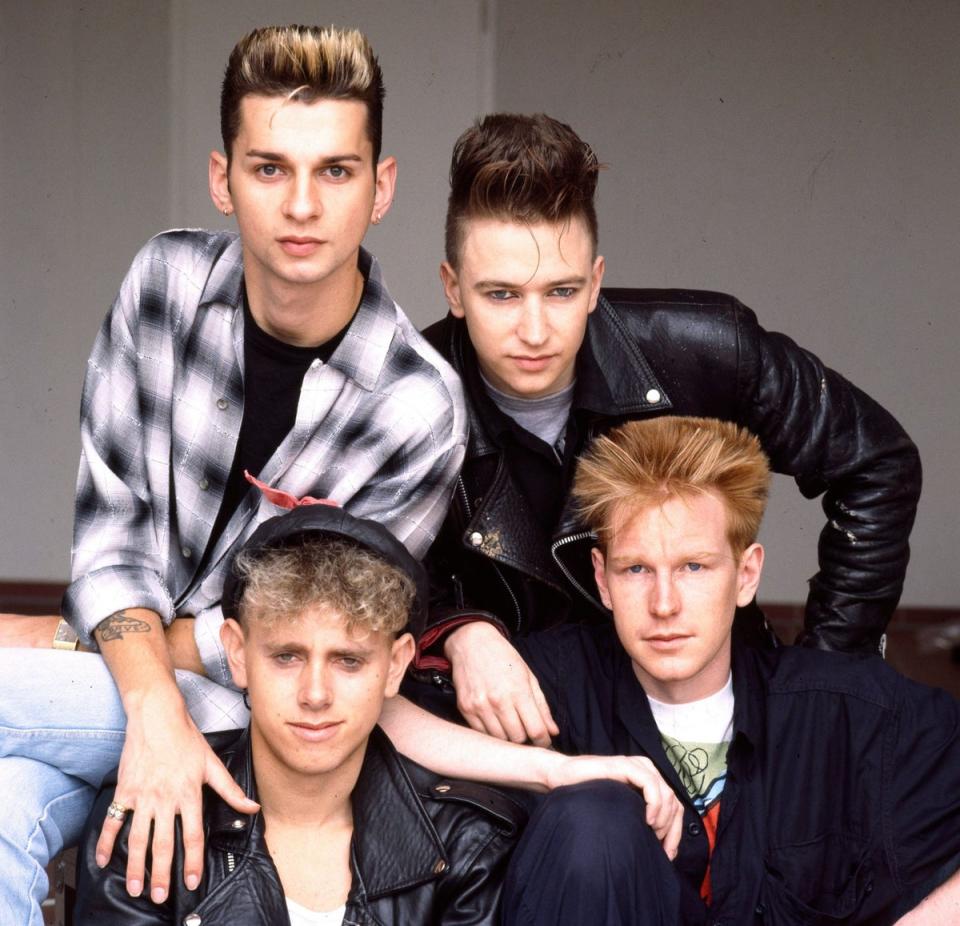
(546, 417)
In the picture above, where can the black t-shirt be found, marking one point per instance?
(273, 373)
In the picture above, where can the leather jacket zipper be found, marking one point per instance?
(231, 862)
(461, 487)
(554, 552)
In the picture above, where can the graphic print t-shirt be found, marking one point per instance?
(695, 737)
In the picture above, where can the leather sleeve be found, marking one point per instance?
(837, 442)
(472, 891)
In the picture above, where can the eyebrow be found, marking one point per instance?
(277, 156)
(691, 556)
(300, 649)
(553, 284)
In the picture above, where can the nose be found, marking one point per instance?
(302, 202)
(664, 599)
(315, 689)
(534, 328)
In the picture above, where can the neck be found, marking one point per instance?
(291, 797)
(708, 681)
(305, 315)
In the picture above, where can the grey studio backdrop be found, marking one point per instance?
(802, 155)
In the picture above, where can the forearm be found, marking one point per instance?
(942, 906)
(182, 645)
(459, 752)
(134, 646)
(838, 442)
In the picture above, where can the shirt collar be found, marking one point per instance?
(362, 354)
(225, 283)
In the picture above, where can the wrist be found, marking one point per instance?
(154, 691)
(468, 635)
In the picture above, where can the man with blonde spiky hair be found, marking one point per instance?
(817, 787)
(235, 373)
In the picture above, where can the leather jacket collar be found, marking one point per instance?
(392, 850)
(614, 378)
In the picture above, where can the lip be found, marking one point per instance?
(297, 246)
(666, 641)
(533, 364)
(315, 732)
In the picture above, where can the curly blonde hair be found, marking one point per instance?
(279, 582)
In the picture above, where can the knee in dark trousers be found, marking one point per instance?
(588, 856)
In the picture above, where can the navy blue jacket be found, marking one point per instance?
(842, 797)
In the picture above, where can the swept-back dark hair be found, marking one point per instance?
(521, 169)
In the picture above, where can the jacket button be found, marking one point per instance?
(440, 867)
(476, 538)
(653, 396)
(238, 824)
(222, 405)
(760, 910)
(192, 919)
(693, 829)
(187, 552)
(204, 484)
(442, 789)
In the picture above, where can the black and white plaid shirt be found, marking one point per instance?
(380, 428)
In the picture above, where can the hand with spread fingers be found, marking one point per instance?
(497, 693)
(165, 760)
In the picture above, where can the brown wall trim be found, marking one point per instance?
(44, 598)
(31, 597)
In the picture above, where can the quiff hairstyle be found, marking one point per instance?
(303, 64)
(282, 582)
(644, 463)
(519, 168)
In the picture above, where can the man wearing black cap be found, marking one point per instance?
(317, 605)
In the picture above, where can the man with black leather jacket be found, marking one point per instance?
(348, 830)
(549, 360)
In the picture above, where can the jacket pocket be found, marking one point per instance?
(824, 880)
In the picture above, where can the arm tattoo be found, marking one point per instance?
(116, 625)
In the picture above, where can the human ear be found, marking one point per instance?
(600, 576)
(233, 639)
(386, 184)
(748, 574)
(401, 652)
(451, 288)
(596, 279)
(219, 182)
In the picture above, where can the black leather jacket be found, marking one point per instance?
(656, 352)
(424, 851)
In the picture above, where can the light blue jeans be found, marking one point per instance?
(61, 730)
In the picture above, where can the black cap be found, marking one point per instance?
(330, 521)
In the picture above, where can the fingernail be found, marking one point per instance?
(158, 895)
(134, 888)
(192, 881)
(101, 860)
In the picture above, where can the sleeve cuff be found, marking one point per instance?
(206, 632)
(429, 654)
(95, 596)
